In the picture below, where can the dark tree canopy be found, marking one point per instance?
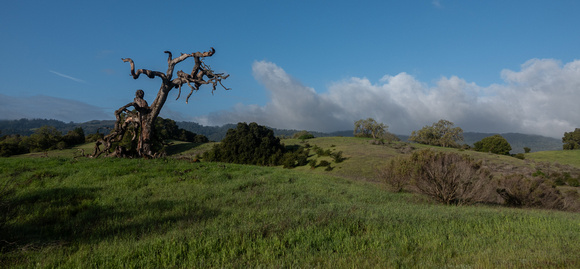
(138, 124)
(495, 144)
(248, 144)
(571, 140)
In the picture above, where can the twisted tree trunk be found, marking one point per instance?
(143, 117)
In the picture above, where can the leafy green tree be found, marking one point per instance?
(571, 140)
(369, 128)
(441, 133)
(75, 137)
(45, 138)
(248, 144)
(495, 144)
(302, 135)
(12, 145)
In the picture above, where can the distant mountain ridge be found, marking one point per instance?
(217, 133)
(518, 141)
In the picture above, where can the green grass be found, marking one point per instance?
(569, 157)
(112, 213)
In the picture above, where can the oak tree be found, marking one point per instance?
(571, 140)
(140, 122)
(369, 128)
(441, 133)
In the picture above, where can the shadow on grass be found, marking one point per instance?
(60, 216)
(178, 148)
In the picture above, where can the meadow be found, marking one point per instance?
(73, 212)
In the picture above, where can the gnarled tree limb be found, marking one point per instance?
(144, 116)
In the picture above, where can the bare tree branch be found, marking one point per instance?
(148, 73)
(144, 116)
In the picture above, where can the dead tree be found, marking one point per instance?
(142, 117)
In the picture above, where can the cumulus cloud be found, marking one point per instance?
(47, 107)
(542, 98)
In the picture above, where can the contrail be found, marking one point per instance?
(69, 77)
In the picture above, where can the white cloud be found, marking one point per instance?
(436, 3)
(542, 98)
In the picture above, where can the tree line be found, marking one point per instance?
(48, 138)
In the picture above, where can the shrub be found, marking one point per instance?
(312, 164)
(518, 190)
(449, 178)
(302, 135)
(337, 157)
(397, 173)
(321, 152)
(296, 158)
(256, 144)
(248, 144)
(74, 137)
(527, 150)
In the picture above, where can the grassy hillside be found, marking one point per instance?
(112, 213)
(568, 157)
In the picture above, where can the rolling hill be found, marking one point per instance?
(217, 133)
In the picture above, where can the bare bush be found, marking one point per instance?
(397, 173)
(519, 190)
(449, 178)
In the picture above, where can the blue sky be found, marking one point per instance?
(488, 66)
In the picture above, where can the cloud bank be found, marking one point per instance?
(542, 98)
(47, 107)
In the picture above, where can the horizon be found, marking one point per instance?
(493, 66)
(285, 129)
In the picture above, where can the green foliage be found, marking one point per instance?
(75, 137)
(312, 163)
(248, 144)
(441, 133)
(337, 157)
(320, 151)
(94, 137)
(13, 145)
(167, 129)
(369, 128)
(44, 138)
(302, 135)
(571, 140)
(495, 144)
(527, 150)
(296, 158)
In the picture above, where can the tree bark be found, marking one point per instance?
(144, 116)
